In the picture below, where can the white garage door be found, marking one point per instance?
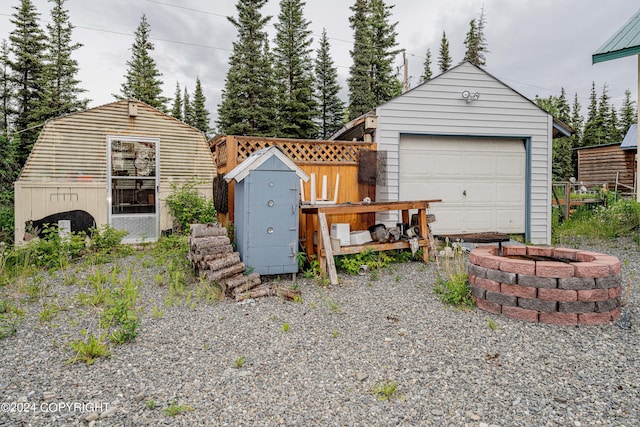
(481, 181)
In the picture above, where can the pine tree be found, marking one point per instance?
(481, 39)
(427, 74)
(187, 109)
(385, 83)
(62, 86)
(28, 46)
(6, 91)
(613, 125)
(248, 104)
(360, 79)
(628, 114)
(564, 110)
(575, 121)
(444, 62)
(297, 107)
(603, 117)
(142, 80)
(330, 105)
(372, 80)
(592, 129)
(176, 109)
(471, 43)
(200, 113)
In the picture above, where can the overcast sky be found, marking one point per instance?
(535, 46)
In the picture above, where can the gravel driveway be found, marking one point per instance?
(318, 362)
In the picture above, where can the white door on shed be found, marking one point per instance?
(481, 181)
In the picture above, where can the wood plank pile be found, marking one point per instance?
(212, 255)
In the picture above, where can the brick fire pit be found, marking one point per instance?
(547, 285)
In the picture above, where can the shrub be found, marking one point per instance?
(189, 207)
(6, 217)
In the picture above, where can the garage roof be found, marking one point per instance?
(625, 42)
(630, 141)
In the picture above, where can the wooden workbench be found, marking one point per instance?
(325, 252)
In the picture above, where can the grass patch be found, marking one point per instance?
(452, 286)
(385, 390)
(89, 350)
(175, 409)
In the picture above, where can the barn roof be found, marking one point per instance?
(625, 42)
(630, 141)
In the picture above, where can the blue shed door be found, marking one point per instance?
(272, 216)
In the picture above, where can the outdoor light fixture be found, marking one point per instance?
(470, 97)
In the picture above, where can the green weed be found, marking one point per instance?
(175, 409)
(385, 390)
(91, 349)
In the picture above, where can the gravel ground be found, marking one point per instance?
(450, 366)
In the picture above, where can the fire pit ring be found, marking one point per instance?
(547, 285)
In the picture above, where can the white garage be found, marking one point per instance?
(481, 181)
(468, 139)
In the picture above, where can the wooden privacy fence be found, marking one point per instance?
(322, 158)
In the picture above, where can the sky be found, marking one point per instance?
(535, 46)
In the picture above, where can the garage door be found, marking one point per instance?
(481, 181)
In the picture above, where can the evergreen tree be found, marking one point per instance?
(603, 118)
(628, 113)
(142, 80)
(200, 113)
(481, 40)
(564, 110)
(360, 80)
(297, 107)
(471, 43)
(385, 83)
(28, 46)
(327, 88)
(575, 121)
(613, 125)
(372, 80)
(592, 129)
(444, 62)
(562, 167)
(248, 105)
(62, 86)
(176, 109)
(6, 91)
(187, 112)
(427, 74)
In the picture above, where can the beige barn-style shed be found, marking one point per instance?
(116, 163)
(472, 141)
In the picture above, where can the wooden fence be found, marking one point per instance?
(323, 158)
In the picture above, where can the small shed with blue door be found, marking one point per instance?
(266, 214)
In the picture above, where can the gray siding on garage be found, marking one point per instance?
(437, 108)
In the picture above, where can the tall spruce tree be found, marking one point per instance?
(372, 80)
(385, 83)
(62, 88)
(613, 125)
(330, 105)
(200, 113)
(576, 122)
(562, 167)
(176, 108)
(142, 80)
(444, 61)
(603, 118)
(628, 114)
(427, 74)
(28, 46)
(481, 38)
(592, 133)
(187, 109)
(471, 43)
(6, 91)
(248, 105)
(297, 107)
(360, 79)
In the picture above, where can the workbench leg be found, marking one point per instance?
(424, 233)
(324, 241)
